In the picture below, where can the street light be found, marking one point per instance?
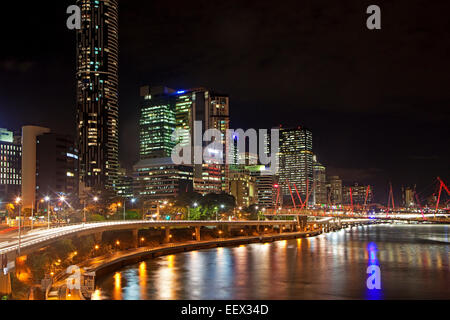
(18, 201)
(47, 199)
(62, 199)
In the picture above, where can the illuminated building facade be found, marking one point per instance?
(320, 183)
(358, 194)
(163, 110)
(10, 166)
(335, 184)
(160, 178)
(408, 200)
(156, 122)
(243, 188)
(97, 95)
(125, 184)
(266, 187)
(296, 161)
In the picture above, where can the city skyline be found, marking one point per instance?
(347, 143)
(220, 155)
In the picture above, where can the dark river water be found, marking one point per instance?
(413, 261)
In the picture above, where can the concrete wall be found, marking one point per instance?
(29, 134)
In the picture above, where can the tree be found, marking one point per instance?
(11, 209)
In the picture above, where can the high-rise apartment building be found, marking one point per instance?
(296, 161)
(97, 95)
(10, 165)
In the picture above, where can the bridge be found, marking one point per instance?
(39, 238)
(393, 216)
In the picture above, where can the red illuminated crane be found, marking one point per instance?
(390, 197)
(441, 185)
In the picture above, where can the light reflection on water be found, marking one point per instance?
(414, 263)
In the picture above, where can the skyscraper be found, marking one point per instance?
(320, 183)
(162, 110)
(356, 194)
(335, 190)
(156, 122)
(49, 165)
(56, 166)
(296, 161)
(97, 95)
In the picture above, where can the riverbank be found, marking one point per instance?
(102, 265)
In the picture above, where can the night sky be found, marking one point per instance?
(376, 101)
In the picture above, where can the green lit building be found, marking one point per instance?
(162, 110)
(156, 122)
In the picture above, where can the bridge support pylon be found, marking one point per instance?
(135, 238)
(167, 235)
(98, 237)
(303, 222)
(197, 234)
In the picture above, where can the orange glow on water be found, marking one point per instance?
(117, 294)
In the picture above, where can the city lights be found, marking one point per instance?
(337, 188)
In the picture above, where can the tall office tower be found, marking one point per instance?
(320, 183)
(335, 190)
(267, 187)
(156, 122)
(408, 196)
(49, 165)
(296, 162)
(160, 178)
(10, 166)
(357, 195)
(163, 110)
(125, 184)
(219, 118)
(242, 186)
(212, 109)
(97, 95)
(56, 166)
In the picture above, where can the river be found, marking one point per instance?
(413, 262)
